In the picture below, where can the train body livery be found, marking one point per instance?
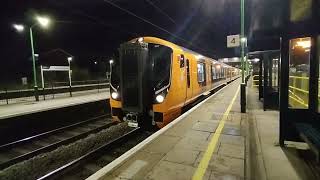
(153, 79)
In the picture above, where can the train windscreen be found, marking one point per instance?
(161, 65)
(115, 77)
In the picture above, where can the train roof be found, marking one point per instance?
(160, 41)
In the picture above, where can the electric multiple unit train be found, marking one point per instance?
(153, 79)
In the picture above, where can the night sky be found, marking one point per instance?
(92, 30)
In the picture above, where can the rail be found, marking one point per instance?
(51, 146)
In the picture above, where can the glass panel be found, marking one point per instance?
(299, 65)
(161, 61)
(318, 54)
(200, 72)
(275, 68)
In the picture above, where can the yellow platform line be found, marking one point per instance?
(203, 165)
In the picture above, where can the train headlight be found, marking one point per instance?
(160, 98)
(114, 95)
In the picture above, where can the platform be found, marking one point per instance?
(213, 140)
(183, 149)
(60, 101)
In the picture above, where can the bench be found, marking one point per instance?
(311, 136)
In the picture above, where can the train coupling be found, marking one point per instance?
(132, 120)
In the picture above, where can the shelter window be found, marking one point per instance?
(299, 69)
(201, 72)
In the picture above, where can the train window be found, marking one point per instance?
(299, 65)
(161, 65)
(188, 73)
(218, 71)
(201, 72)
(213, 73)
(181, 59)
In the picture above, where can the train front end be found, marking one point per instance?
(140, 78)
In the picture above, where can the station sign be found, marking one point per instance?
(233, 41)
(55, 68)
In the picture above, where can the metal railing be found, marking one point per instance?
(298, 91)
(255, 80)
(52, 90)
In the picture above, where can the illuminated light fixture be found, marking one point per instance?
(256, 59)
(114, 95)
(18, 27)
(111, 61)
(95, 62)
(69, 59)
(160, 98)
(199, 56)
(275, 59)
(43, 21)
(225, 59)
(235, 58)
(304, 44)
(244, 39)
(36, 55)
(218, 66)
(140, 40)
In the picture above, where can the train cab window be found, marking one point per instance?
(161, 57)
(115, 73)
(201, 72)
(299, 66)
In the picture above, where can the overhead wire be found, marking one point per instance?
(160, 10)
(151, 23)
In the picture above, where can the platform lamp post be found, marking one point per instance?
(243, 42)
(111, 61)
(43, 22)
(70, 80)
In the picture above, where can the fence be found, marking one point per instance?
(53, 90)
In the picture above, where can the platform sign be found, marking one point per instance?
(55, 68)
(233, 41)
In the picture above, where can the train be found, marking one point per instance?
(153, 79)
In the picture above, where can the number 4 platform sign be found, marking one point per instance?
(233, 41)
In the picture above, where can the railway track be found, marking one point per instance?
(91, 162)
(24, 149)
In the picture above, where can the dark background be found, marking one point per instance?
(92, 30)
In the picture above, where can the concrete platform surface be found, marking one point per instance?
(181, 150)
(23, 108)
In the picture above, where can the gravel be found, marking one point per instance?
(44, 163)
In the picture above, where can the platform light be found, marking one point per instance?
(256, 60)
(43, 21)
(304, 44)
(199, 56)
(95, 62)
(243, 39)
(111, 61)
(69, 59)
(36, 55)
(218, 66)
(114, 95)
(140, 40)
(160, 98)
(18, 27)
